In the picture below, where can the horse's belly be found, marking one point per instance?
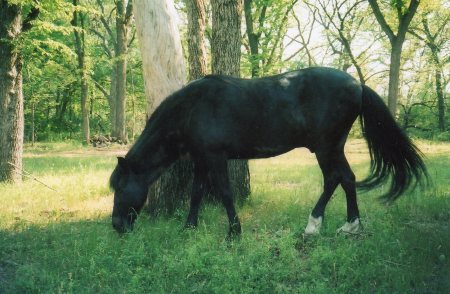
(254, 151)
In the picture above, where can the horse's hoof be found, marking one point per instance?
(234, 232)
(190, 226)
(314, 225)
(233, 236)
(351, 228)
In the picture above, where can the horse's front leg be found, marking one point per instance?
(199, 189)
(218, 173)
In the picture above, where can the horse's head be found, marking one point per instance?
(130, 193)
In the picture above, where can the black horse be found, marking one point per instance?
(217, 118)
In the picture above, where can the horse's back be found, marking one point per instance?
(271, 115)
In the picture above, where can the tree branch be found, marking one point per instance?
(104, 42)
(406, 18)
(101, 88)
(105, 23)
(128, 13)
(382, 21)
(278, 37)
(133, 37)
(23, 172)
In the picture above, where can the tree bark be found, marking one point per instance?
(78, 23)
(123, 19)
(394, 76)
(440, 95)
(225, 59)
(435, 49)
(11, 95)
(196, 27)
(164, 73)
(160, 46)
(226, 37)
(112, 100)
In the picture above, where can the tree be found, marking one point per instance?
(404, 15)
(196, 27)
(123, 20)
(303, 38)
(253, 37)
(266, 23)
(11, 95)
(342, 24)
(51, 75)
(79, 22)
(162, 61)
(225, 59)
(163, 68)
(435, 36)
(119, 36)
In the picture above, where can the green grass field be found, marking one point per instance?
(63, 241)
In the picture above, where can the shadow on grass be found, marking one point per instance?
(407, 252)
(45, 258)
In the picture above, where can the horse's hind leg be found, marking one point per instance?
(199, 189)
(218, 173)
(336, 170)
(353, 224)
(331, 178)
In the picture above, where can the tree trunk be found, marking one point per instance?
(175, 185)
(162, 60)
(11, 96)
(164, 73)
(33, 132)
(225, 59)
(196, 15)
(112, 100)
(435, 47)
(404, 16)
(438, 86)
(253, 38)
(78, 23)
(226, 37)
(394, 77)
(440, 99)
(63, 105)
(85, 108)
(123, 15)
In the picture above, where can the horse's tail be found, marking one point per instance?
(391, 151)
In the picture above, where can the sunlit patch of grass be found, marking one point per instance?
(47, 147)
(63, 241)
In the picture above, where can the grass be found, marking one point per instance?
(62, 241)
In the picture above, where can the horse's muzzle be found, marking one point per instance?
(122, 225)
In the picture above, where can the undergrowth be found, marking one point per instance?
(63, 241)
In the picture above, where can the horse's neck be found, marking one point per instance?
(150, 158)
(143, 154)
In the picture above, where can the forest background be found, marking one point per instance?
(81, 69)
(71, 54)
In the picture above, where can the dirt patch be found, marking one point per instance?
(81, 153)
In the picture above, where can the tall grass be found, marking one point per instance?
(63, 241)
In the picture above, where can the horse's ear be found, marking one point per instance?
(122, 162)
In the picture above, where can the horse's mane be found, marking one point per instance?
(114, 179)
(155, 125)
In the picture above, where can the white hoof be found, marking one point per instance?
(314, 224)
(351, 228)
